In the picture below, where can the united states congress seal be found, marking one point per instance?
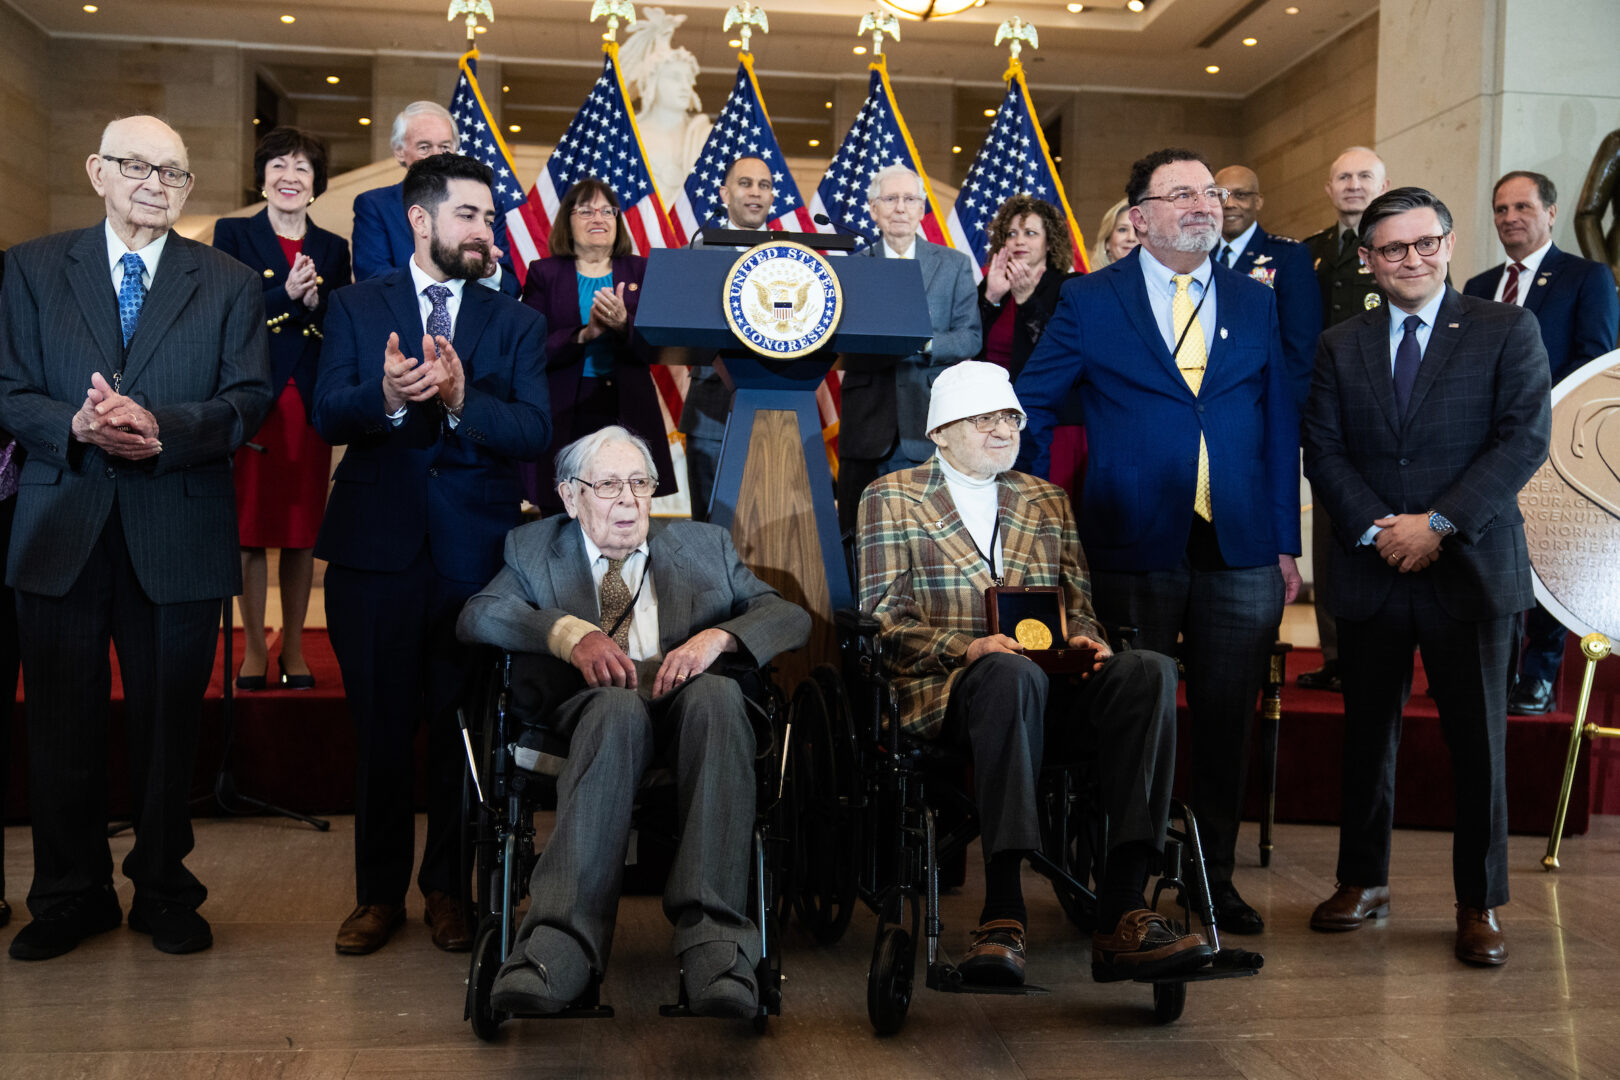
(782, 299)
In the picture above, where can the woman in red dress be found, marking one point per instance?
(283, 472)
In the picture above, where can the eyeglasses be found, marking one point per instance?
(985, 423)
(1396, 252)
(910, 202)
(640, 486)
(1239, 195)
(136, 169)
(585, 213)
(1186, 197)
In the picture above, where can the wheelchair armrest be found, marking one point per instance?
(857, 622)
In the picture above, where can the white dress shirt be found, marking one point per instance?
(424, 307)
(1161, 290)
(637, 574)
(1531, 263)
(1397, 330)
(910, 251)
(116, 250)
(1235, 248)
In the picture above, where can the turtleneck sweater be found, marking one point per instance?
(977, 501)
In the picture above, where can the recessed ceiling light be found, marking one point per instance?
(956, 149)
(514, 128)
(1136, 5)
(506, 89)
(480, 29)
(1058, 160)
(735, 43)
(1290, 11)
(365, 121)
(828, 104)
(255, 121)
(859, 50)
(333, 79)
(1077, 8)
(289, 19)
(90, 9)
(989, 112)
(815, 142)
(1213, 69)
(1251, 41)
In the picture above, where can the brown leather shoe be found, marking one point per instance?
(1142, 945)
(1351, 906)
(369, 927)
(1479, 937)
(448, 919)
(996, 955)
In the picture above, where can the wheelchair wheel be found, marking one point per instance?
(1071, 838)
(486, 963)
(1169, 998)
(888, 984)
(822, 774)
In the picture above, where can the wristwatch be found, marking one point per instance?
(1439, 524)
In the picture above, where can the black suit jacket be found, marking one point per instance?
(1475, 430)
(197, 361)
(1574, 302)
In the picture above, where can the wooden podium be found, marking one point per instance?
(774, 490)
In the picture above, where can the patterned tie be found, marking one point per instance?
(614, 599)
(438, 320)
(1192, 358)
(1510, 291)
(131, 295)
(1407, 358)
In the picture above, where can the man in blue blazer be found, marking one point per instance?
(1578, 312)
(1190, 515)
(382, 238)
(439, 390)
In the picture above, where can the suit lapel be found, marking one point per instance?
(263, 239)
(928, 261)
(1017, 542)
(172, 289)
(89, 273)
(1534, 291)
(1133, 297)
(1373, 334)
(675, 574)
(476, 302)
(572, 586)
(1449, 328)
(401, 292)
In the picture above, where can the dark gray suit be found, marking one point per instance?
(1474, 431)
(702, 729)
(883, 407)
(139, 552)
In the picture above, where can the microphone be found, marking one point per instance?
(823, 219)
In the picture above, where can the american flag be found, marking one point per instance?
(1013, 160)
(481, 139)
(743, 128)
(878, 137)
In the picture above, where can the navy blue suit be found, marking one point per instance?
(383, 240)
(415, 525)
(1214, 586)
(1285, 265)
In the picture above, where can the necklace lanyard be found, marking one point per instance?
(990, 559)
(646, 568)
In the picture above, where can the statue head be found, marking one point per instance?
(662, 74)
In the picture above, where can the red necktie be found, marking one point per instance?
(1510, 293)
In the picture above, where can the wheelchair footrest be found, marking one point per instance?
(573, 1012)
(946, 978)
(1233, 968)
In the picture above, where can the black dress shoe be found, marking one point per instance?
(1232, 915)
(294, 682)
(1532, 697)
(1325, 677)
(175, 927)
(61, 928)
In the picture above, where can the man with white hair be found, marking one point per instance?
(625, 621)
(932, 540)
(133, 364)
(382, 238)
(884, 400)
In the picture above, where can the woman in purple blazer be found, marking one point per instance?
(588, 290)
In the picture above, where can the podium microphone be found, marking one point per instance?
(823, 219)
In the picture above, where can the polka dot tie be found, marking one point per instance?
(1192, 358)
(438, 320)
(614, 598)
(131, 295)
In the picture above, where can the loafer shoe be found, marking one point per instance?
(174, 927)
(1351, 906)
(448, 919)
(719, 981)
(1144, 944)
(1325, 677)
(996, 955)
(60, 929)
(369, 927)
(1479, 937)
(1232, 914)
(1531, 697)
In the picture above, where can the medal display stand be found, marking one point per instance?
(1594, 647)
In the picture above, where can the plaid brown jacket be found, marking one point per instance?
(924, 581)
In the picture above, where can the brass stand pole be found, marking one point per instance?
(1594, 647)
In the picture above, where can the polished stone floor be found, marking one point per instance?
(271, 999)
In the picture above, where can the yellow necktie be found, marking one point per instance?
(1192, 358)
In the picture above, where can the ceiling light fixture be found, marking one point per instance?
(1251, 41)
(1077, 8)
(735, 43)
(289, 19)
(514, 129)
(923, 10)
(333, 80)
(828, 104)
(365, 121)
(1213, 69)
(1290, 11)
(989, 112)
(956, 149)
(859, 50)
(480, 29)
(1136, 5)
(90, 9)
(815, 142)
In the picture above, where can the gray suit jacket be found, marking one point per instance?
(881, 394)
(699, 580)
(198, 361)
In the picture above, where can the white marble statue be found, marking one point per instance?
(664, 78)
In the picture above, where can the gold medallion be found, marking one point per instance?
(1033, 634)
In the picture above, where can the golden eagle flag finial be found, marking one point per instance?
(1018, 32)
(878, 23)
(472, 9)
(747, 16)
(613, 10)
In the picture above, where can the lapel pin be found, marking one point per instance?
(1261, 260)
(1454, 325)
(940, 524)
(1541, 281)
(634, 285)
(1223, 333)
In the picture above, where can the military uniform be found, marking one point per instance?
(1284, 264)
(1348, 288)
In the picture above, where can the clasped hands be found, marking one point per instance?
(1406, 542)
(599, 658)
(301, 284)
(1001, 643)
(608, 312)
(115, 423)
(407, 380)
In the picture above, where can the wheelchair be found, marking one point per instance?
(501, 796)
(868, 803)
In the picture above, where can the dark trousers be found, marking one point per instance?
(10, 658)
(702, 467)
(394, 634)
(1322, 542)
(165, 657)
(998, 708)
(1466, 663)
(1227, 621)
(1544, 641)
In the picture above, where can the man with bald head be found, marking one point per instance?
(132, 366)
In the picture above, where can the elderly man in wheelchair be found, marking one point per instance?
(633, 619)
(932, 541)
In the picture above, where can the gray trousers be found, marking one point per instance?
(1127, 710)
(703, 732)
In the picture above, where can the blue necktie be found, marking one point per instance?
(131, 295)
(1407, 358)
(438, 320)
